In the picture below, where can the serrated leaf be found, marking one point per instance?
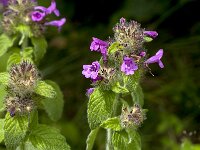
(44, 89)
(100, 107)
(47, 138)
(15, 129)
(4, 78)
(91, 138)
(114, 47)
(117, 88)
(40, 46)
(148, 39)
(138, 96)
(1, 130)
(123, 140)
(120, 140)
(5, 43)
(54, 107)
(15, 58)
(3, 93)
(112, 123)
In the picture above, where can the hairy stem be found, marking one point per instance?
(109, 131)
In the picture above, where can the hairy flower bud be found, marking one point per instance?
(133, 117)
(129, 34)
(23, 78)
(19, 105)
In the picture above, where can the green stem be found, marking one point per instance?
(109, 131)
(24, 44)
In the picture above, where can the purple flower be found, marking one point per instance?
(37, 16)
(89, 91)
(91, 71)
(122, 20)
(156, 59)
(57, 23)
(152, 34)
(99, 45)
(143, 53)
(128, 66)
(4, 2)
(52, 8)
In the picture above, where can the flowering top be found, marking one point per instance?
(156, 59)
(91, 71)
(124, 54)
(128, 66)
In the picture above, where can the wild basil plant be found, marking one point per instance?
(22, 90)
(116, 98)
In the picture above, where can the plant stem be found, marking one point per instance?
(109, 131)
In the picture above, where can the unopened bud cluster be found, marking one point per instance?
(133, 117)
(23, 78)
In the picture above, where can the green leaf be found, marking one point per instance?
(27, 53)
(117, 88)
(126, 141)
(134, 140)
(114, 47)
(4, 78)
(112, 123)
(26, 146)
(15, 129)
(91, 138)
(120, 140)
(54, 107)
(1, 130)
(25, 31)
(5, 43)
(148, 39)
(100, 107)
(44, 89)
(3, 93)
(40, 46)
(138, 96)
(47, 138)
(131, 81)
(15, 58)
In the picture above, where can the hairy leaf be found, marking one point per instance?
(15, 130)
(44, 89)
(119, 89)
(15, 58)
(131, 81)
(112, 123)
(91, 138)
(126, 141)
(138, 96)
(47, 138)
(1, 130)
(40, 46)
(5, 43)
(100, 107)
(54, 107)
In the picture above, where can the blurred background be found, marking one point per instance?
(171, 96)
